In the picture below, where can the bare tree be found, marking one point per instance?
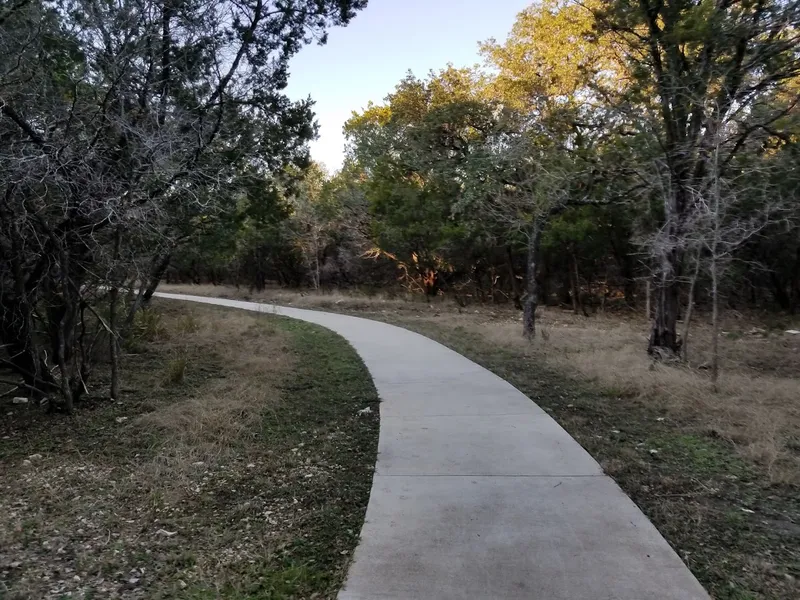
(121, 125)
(521, 182)
(313, 219)
(729, 213)
(687, 319)
(717, 97)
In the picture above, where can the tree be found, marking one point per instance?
(589, 129)
(313, 218)
(520, 181)
(127, 122)
(701, 71)
(410, 149)
(728, 215)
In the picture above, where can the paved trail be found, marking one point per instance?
(479, 495)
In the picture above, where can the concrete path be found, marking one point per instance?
(479, 495)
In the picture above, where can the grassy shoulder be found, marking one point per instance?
(237, 465)
(717, 472)
(736, 529)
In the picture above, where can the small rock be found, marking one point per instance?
(33, 457)
(26, 463)
(133, 580)
(251, 466)
(19, 400)
(121, 419)
(653, 451)
(76, 578)
(660, 419)
(182, 584)
(16, 564)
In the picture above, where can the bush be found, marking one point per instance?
(148, 326)
(175, 371)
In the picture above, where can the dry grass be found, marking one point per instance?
(214, 425)
(218, 475)
(335, 300)
(717, 471)
(756, 404)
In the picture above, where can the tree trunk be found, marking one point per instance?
(156, 275)
(67, 304)
(113, 345)
(663, 333)
(146, 290)
(782, 298)
(16, 331)
(113, 342)
(532, 290)
(575, 285)
(714, 321)
(794, 300)
(689, 308)
(517, 296)
(716, 263)
(573, 292)
(664, 340)
(64, 348)
(629, 281)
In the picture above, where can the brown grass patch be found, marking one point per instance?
(333, 300)
(718, 472)
(755, 405)
(194, 486)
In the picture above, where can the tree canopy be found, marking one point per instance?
(127, 129)
(605, 151)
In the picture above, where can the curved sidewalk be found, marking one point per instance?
(479, 495)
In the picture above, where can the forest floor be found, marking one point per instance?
(236, 465)
(718, 472)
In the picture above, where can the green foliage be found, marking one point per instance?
(414, 151)
(575, 129)
(175, 371)
(188, 324)
(562, 133)
(148, 326)
(703, 456)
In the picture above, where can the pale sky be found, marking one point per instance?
(366, 59)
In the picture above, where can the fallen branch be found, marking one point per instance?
(25, 385)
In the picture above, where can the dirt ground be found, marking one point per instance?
(717, 471)
(235, 465)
